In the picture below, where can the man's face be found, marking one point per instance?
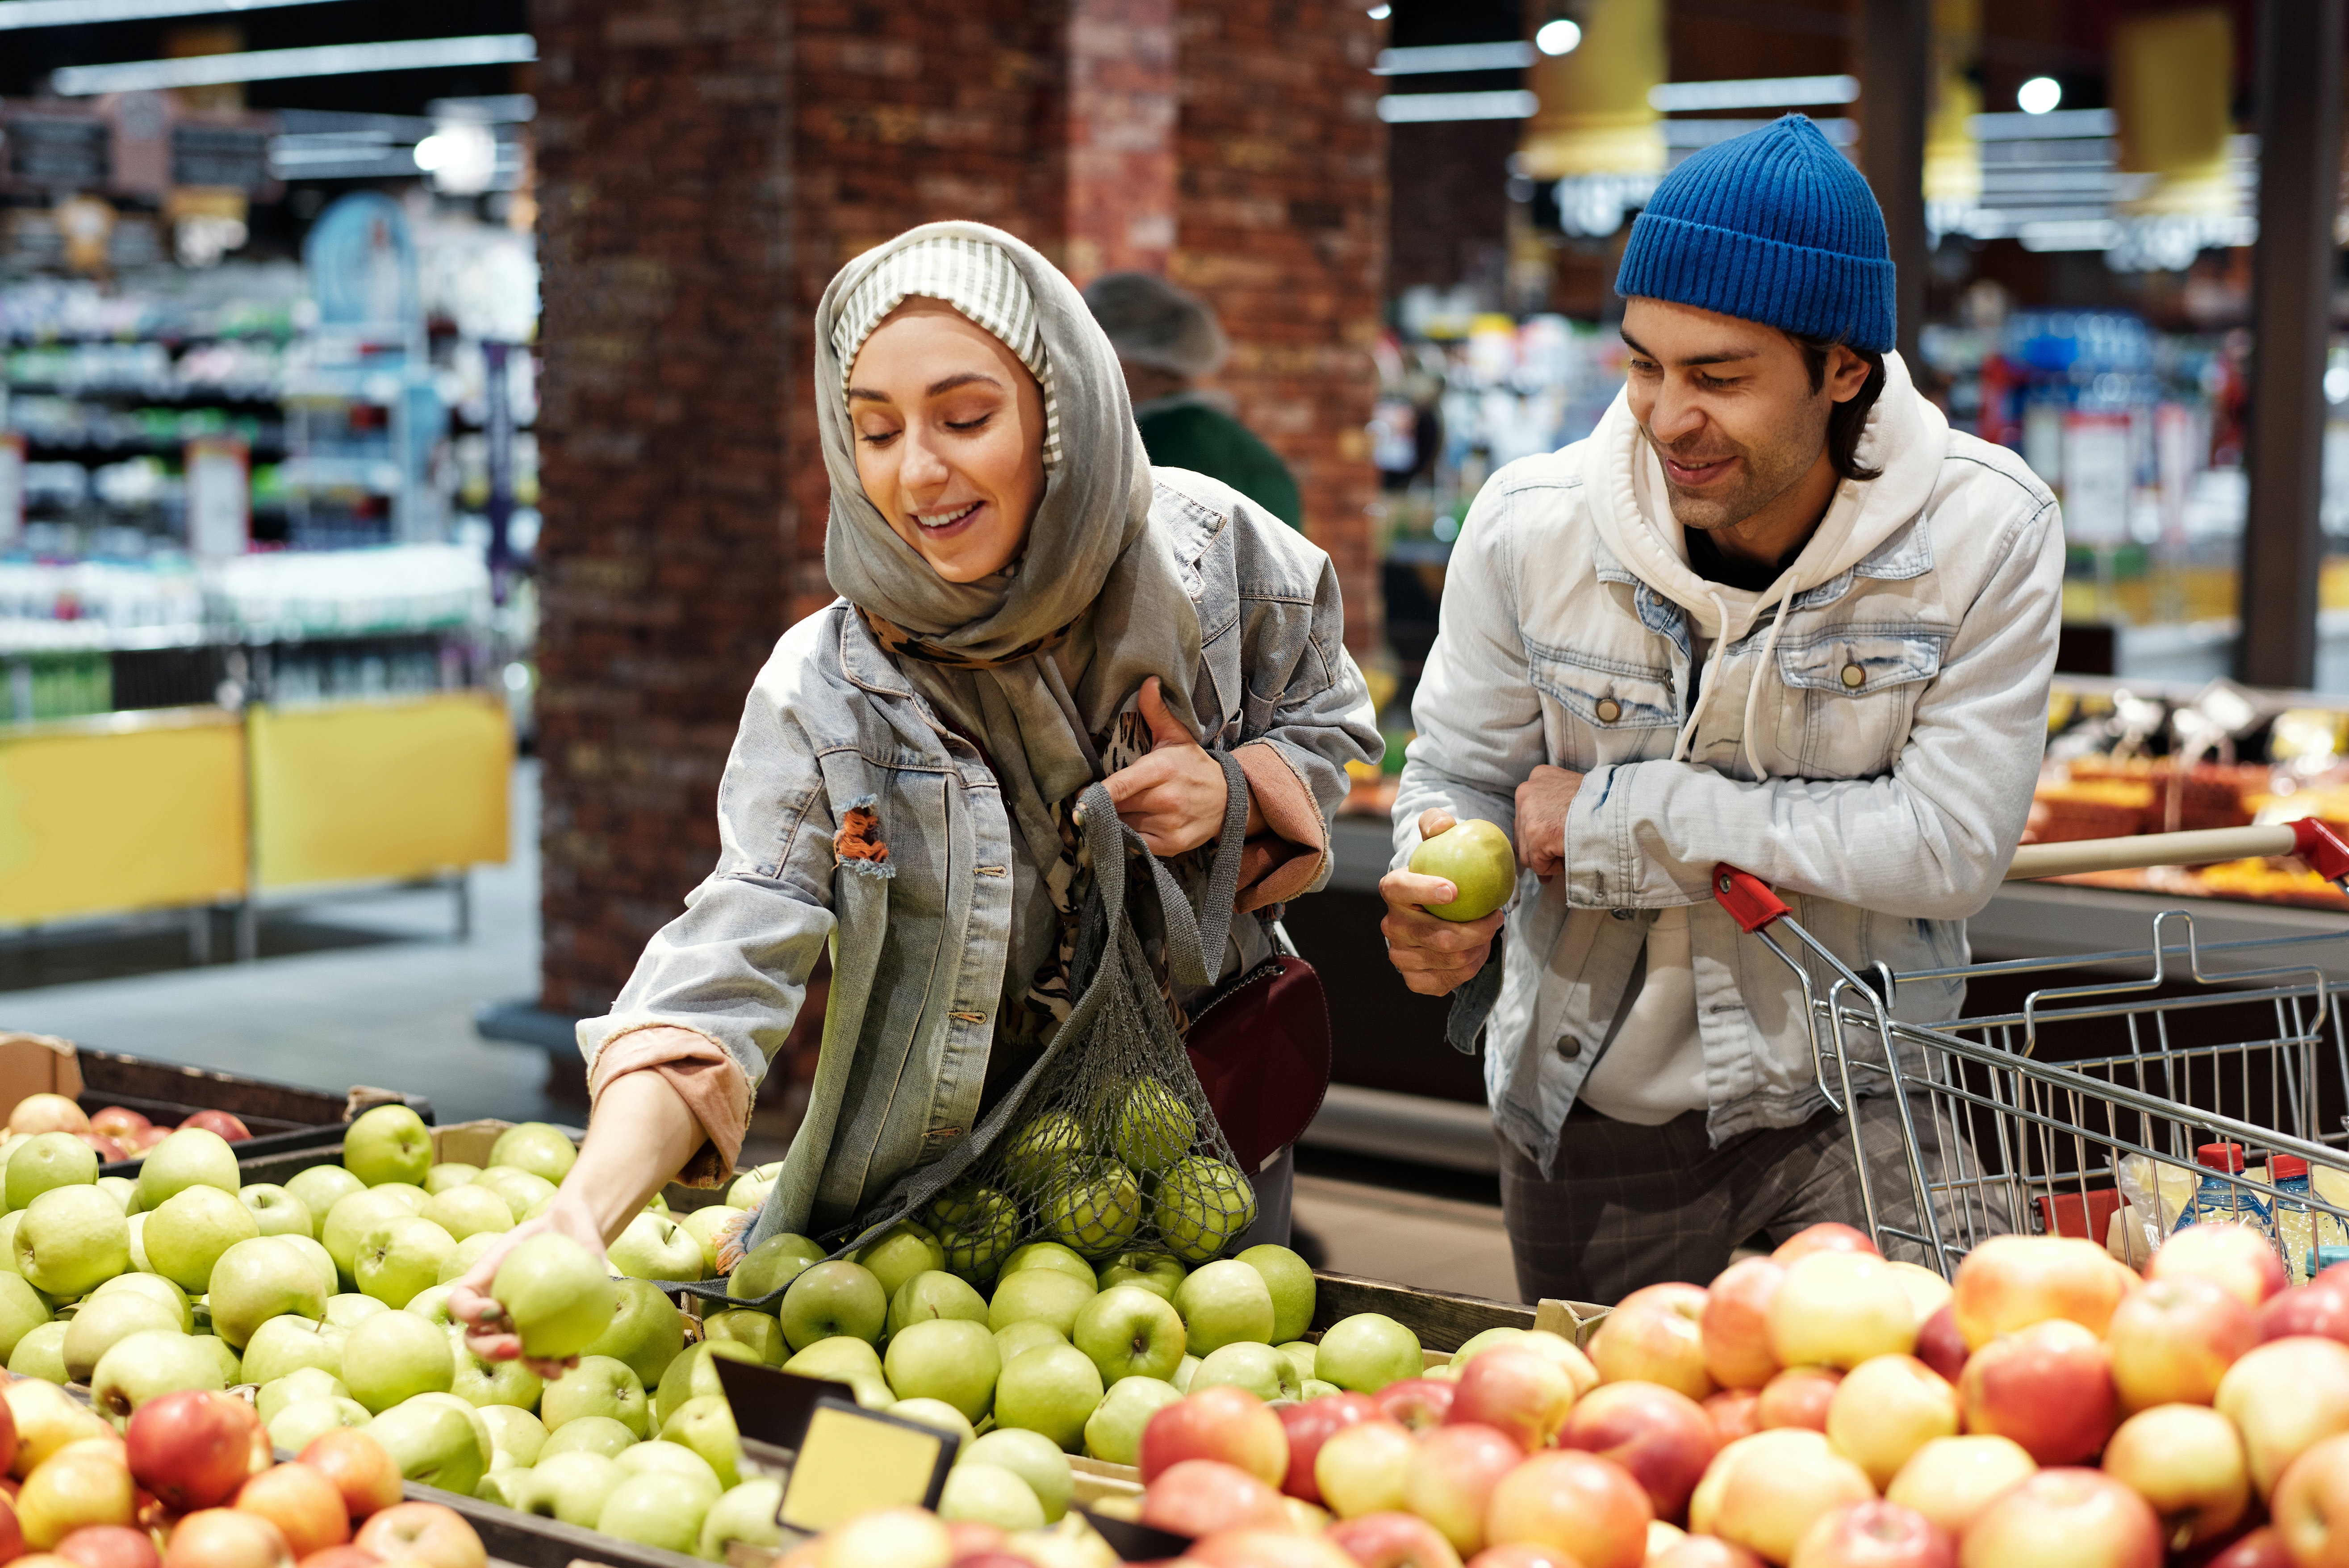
(1729, 408)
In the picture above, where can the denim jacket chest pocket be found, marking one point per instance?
(1851, 691)
(1596, 709)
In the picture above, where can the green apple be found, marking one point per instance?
(1158, 1272)
(646, 1330)
(1097, 1213)
(41, 1353)
(468, 1252)
(9, 1224)
(49, 1160)
(900, 1253)
(121, 1188)
(1259, 1368)
(22, 1310)
(259, 1279)
(660, 1457)
(1130, 1331)
(465, 1211)
(147, 1365)
(511, 1486)
(412, 1197)
(946, 1358)
(1314, 1388)
(71, 1239)
(934, 1293)
(318, 1190)
(746, 1513)
(705, 1424)
(303, 1383)
(389, 1142)
(278, 1213)
(749, 1191)
(691, 1375)
(989, 1494)
(1056, 1256)
(655, 1247)
(1366, 1352)
(1290, 1279)
(1113, 1431)
(349, 1309)
(321, 1262)
(554, 1293)
(281, 1346)
(769, 1266)
(155, 1287)
(231, 1365)
(539, 1148)
(398, 1258)
(1043, 1293)
(1154, 1128)
(1224, 1302)
(432, 1303)
(433, 1443)
(347, 1224)
(658, 1511)
(935, 1412)
(301, 1423)
(1053, 1390)
(703, 1225)
(516, 1434)
(834, 1298)
(1181, 1379)
(483, 1443)
(1203, 1206)
(483, 1384)
(597, 1386)
(754, 1331)
(190, 1231)
(1477, 858)
(1034, 1459)
(523, 1191)
(191, 1156)
(600, 1435)
(1300, 1354)
(1026, 1335)
(102, 1321)
(976, 1228)
(395, 1356)
(849, 1361)
(439, 1178)
(573, 1484)
(1033, 1156)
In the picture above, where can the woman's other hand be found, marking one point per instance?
(1174, 798)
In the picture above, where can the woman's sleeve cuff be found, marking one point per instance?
(1287, 859)
(710, 1082)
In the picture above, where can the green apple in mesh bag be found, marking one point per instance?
(691, 1375)
(156, 1286)
(439, 1178)
(975, 1228)
(556, 1296)
(1053, 1390)
(304, 1382)
(522, 1190)
(655, 1247)
(746, 1513)
(1033, 1156)
(1154, 1128)
(834, 1298)
(754, 1331)
(71, 1239)
(1097, 1212)
(188, 1235)
(934, 1293)
(389, 1142)
(646, 1330)
(481, 1384)
(400, 1258)
(539, 1148)
(771, 1265)
(705, 1424)
(1478, 859)
(320, 1189)
(1043, 1293)
(597, 1386)
(900, 1253)
(989, 1494)
(1203, 1205)
(104, 1320)
(1130, 1331)
(574, 1486)
(1054, 1255)
(1113, 1431)
(276, 1211)
(260, 1279)
(1223, 1303)
(147, 1365)
(284, 1345)
(395, 1356)
(1259, 1368)
(946, 1358)
(1290, 1278)
(599, 1435)
(465, 1211)
(46, 1161)
(1034, 1459)
(1158, 1272)
(191, 1156)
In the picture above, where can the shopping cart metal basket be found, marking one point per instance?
(2190, 1042)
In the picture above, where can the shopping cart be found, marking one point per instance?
(2247, 1046)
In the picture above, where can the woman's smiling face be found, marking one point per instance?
(950, 431)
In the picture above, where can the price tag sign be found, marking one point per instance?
(852, 1460)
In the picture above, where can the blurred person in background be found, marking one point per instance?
(1165, 341)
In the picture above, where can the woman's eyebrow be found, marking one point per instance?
(964, 379)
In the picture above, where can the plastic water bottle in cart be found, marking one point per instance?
(2218, 1202)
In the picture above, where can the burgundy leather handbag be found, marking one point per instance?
(1260, 1047)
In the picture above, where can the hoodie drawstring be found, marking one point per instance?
(1711, 683)
(1761, 668)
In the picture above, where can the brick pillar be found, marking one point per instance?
(1122, 85)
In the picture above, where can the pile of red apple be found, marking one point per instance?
(190, 1483)
(117, 1133)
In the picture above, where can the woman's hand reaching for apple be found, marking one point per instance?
(487, 1334)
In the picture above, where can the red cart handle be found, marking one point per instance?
(1748, 899)
(2320, 848)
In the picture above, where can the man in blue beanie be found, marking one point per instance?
(1775, 612)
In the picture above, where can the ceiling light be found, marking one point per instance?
(2039, 95)
(1380, 13)
(279, 65)
(20, 13)
(1432, 108)
(1558, 37)
(1752, 92)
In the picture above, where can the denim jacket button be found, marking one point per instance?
(1569, 1049)
(1609, 710)
(1854, 676)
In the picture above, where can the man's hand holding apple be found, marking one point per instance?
(1435, 957)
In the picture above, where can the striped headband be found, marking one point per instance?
(975, 277)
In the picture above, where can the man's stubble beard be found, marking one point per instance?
(1767, 473)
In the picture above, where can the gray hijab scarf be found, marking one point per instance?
(1096, 571)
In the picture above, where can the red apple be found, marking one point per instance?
(2312, 1505)
(1736, 1413)
(302, 1503)
(1662, 1437)
(1419, 1403)
(1735, 1323)
(360, 1557)
(1655, 1336)
(2048, 1386)
(1951, 1480)
(2187, 1462)
(220, 1122)
(1514, 1391)
(1886, 1410)
(1838, 1309)
(2009, 1282)
(1393, 1539)
(1798, 1396)
(110, 1546)
(2174, 1340)
(968, 1537)
(360, 1468)
(2234, 1257)
(194, 1449)
(145, 1139)
(2284, 1396)
(1764, 1492)
(1221, 1423)
(2321, 1307)
(1827, 1236)
(1939, 1346)
(2075, 1518)
(1200, 1497)
(1586, 1506)
(1266, 1549)
(7, 1438)
(1308, 1425)
(1875, 1534)
(115, 1121)
(223, 1538)
(1521, 1554)
(1704, 1552)
(2261, 1548)
(424, 1530)
(37, 1114)
(106, 1149)
(1360, 1469)
(12, 1531)
(1452, 1477)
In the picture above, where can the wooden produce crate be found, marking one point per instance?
(529, 1541)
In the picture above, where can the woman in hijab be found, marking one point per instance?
(1027, 607)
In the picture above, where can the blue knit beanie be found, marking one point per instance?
(1775, 226)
